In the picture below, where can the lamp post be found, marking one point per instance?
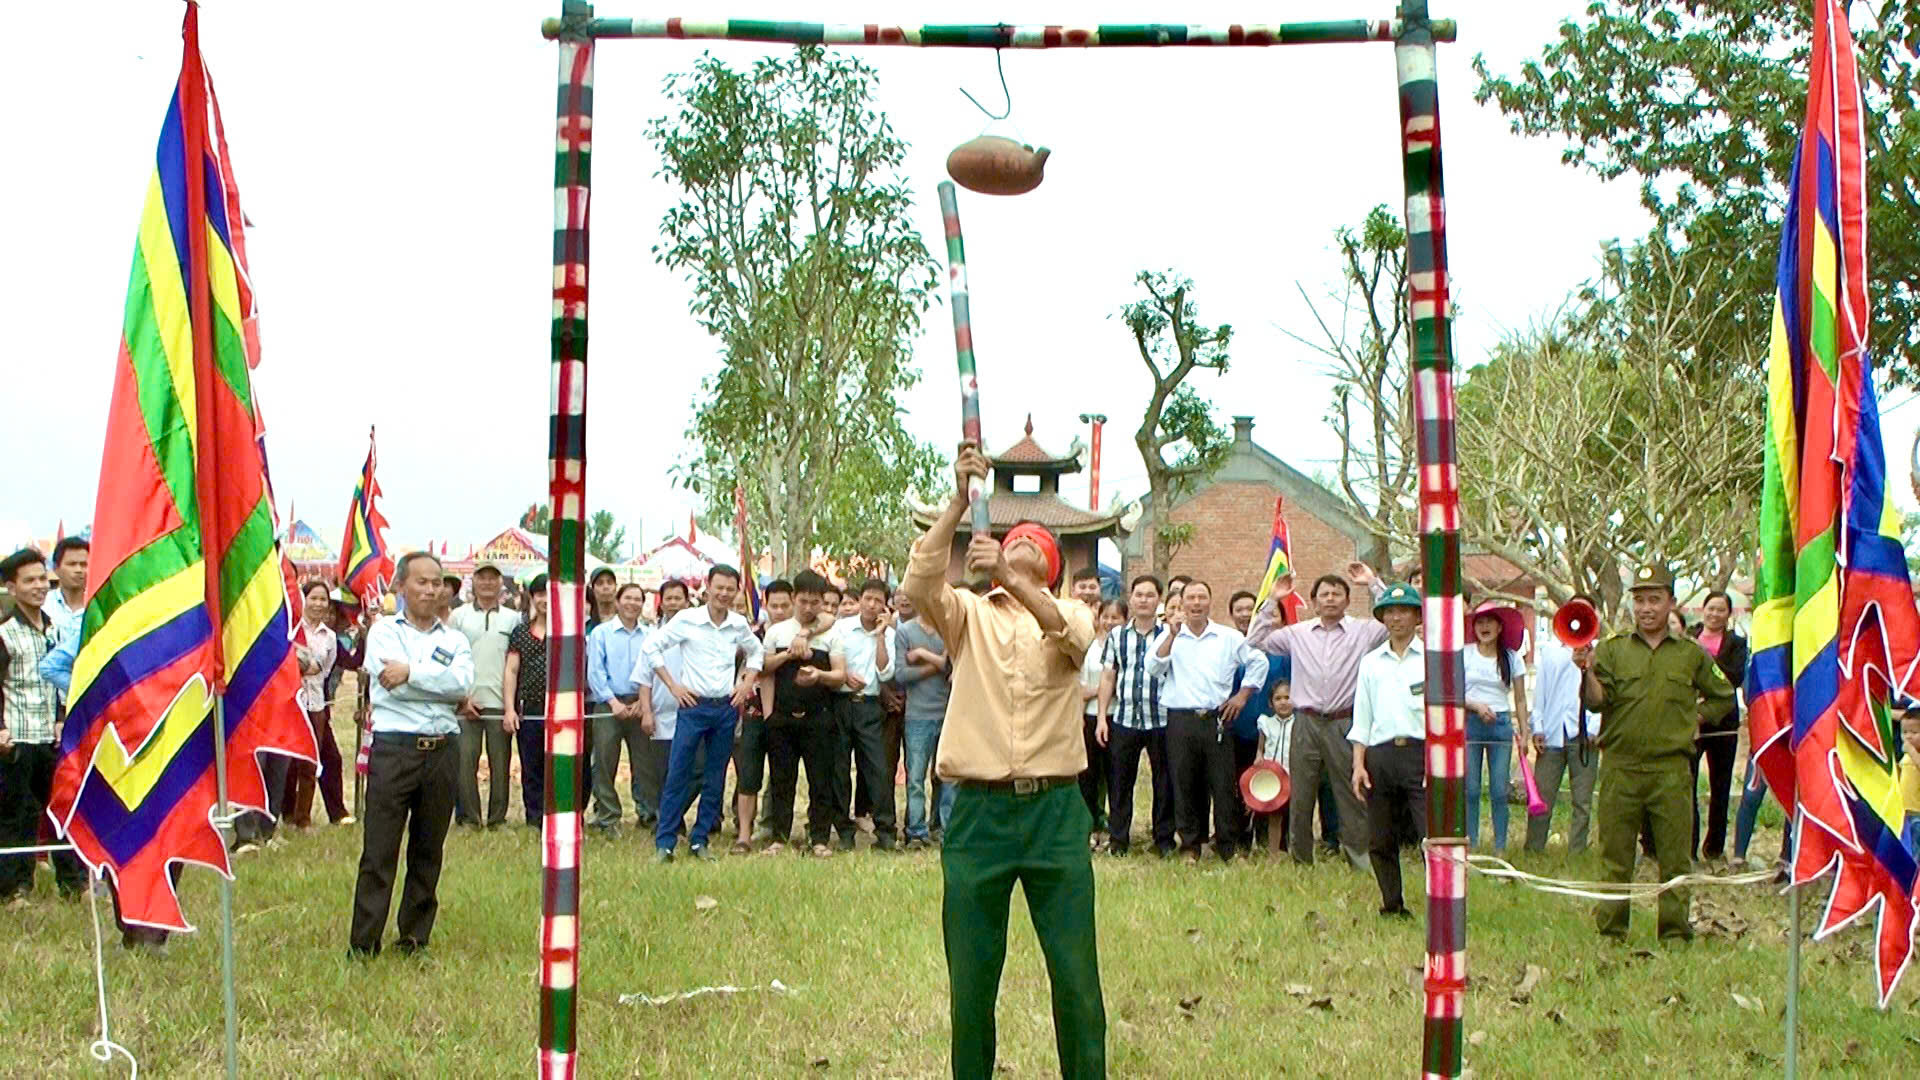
(1097, 420)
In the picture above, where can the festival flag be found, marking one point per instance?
(748, 579)
(1279, 562)
(1835, 628)
(366, 563)
(186, 606)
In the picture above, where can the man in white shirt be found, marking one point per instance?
(709, 697)
(1564, 741)
(1389, 742)
(799, 724)
(1200, 660)
(423, 669)
(864, 647)
(487, 624)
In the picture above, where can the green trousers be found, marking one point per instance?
(1659, 796)
(993, 840)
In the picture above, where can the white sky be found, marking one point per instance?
(400, 183)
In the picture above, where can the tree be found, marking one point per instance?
(1178, 422)
(796, 233)
(1623, 432)
(1704, 101)
(1364, 338)
(604, 538)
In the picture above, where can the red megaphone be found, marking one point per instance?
(1576, 624)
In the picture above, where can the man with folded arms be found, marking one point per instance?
(613, 651)
(1201, 660)
(1013, 744)
(1389, 741)
(1326, 652)
(798, 652)
(487, 624)
(709, 699)
(863, 648)
(422, 669)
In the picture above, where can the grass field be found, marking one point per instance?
(1254, 970)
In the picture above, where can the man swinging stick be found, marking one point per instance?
(1013, 746)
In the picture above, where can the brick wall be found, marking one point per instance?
(1234, 531)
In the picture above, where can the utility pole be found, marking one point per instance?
(1098, 420)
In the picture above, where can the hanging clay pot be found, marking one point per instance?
(995, 165)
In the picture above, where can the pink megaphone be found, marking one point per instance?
(1535, 804)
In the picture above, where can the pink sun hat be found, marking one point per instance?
(1513, 625)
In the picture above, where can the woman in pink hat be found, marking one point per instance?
(1496, 699)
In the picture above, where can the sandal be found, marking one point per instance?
(774, 848)
(741, 847)
(822, 851)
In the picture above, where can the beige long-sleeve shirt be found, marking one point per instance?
(1016, 710)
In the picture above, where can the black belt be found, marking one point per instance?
(418, 742)
(1025, 785)
(1341, 714)
(1171, 713)
(1401, 741)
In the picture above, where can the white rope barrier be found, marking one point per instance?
(103, 1048)
(1495, 867)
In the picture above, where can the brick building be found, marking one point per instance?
(1233, 513)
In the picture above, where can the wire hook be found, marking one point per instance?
(1004, 92)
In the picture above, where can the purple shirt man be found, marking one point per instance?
(1326, 654)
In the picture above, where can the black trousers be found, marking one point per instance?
(1201, 753)
(1096, 776)
(861, 730)
(1124, 747)
(410, 791)
(1244, 751)
(1719, 750)
(793, 740)
(26, 783)
(894, 728)
(1396, 811)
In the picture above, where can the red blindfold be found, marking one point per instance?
(1041, 539)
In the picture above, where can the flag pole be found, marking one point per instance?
(222, 813)
(1793, 981)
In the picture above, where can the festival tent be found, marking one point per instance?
(675, 560)
(309, 554)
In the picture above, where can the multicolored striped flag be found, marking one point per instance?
(186, 606)
(1280, 557)
(366, 563)
(1835, 629)
(749, 582)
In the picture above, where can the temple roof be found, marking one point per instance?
(1007, 508)
(1028, 456)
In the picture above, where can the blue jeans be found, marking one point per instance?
(1495, 740)
(923, 742)
(709, 722)
(1753, 792)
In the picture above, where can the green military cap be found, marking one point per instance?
(1401, 595)
(1652, 576)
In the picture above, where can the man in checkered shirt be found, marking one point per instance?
(29, 731)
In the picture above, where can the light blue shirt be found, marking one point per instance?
(612, 652)
(57, 666)
(439, 676)
(666, 708)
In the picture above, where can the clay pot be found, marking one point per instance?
(994, 165)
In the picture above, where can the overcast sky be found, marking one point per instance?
(400, 182)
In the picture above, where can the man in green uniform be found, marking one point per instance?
(1653, 691)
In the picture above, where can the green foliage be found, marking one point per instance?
(604, 538)
(796, 234)
(1173, 342)
(1704, 101)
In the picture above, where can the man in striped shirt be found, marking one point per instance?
(1133, 719)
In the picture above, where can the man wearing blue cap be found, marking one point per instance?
(1389, 741)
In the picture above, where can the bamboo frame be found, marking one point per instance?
(1414, 36)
